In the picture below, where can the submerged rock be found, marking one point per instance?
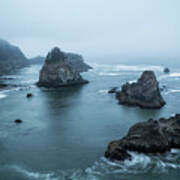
(113, 90)
(153, 136)
(145, 93)
(166, 70)
(29, 95)
(57, 72)
(18, 121)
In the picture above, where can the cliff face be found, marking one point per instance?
(11, 58)
(57, 71)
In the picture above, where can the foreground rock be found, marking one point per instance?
(147, 137)
(145, 93)
(57, 72)
(11, 58)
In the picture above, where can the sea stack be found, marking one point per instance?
(57, 72)
(144, 93)
(153, 136)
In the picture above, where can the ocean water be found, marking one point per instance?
(66, 131)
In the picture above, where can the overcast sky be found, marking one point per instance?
(93, 27)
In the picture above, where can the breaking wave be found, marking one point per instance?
(105, 169)
(2, 95)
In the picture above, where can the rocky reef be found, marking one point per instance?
(166, 70)
(153, 136)
(144, 93)
(11, 58)
(58, 72)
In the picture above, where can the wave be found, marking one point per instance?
(2, 95)
(173, 91)
(175, 75)
(109, 74)
(120, 67)
(74, 174)
(103, 91)
(105, 169)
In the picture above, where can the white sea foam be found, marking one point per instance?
(173, 91)
(175, 76)
(34, 175)
(103, 91)
(109, 74)
(2, 95)
(120, 67)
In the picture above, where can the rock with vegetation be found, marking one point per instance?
(153, 136)
(57, 72)
(11, 58)
(144, 93)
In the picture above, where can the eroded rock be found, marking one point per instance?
(153, 136)
(56, 71)
(144, 93)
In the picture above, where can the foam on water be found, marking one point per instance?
(103, 91)
(2, 95)
(120, 67)
(173, 91)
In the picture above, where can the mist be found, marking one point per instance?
(93, 28)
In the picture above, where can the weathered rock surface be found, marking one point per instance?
(57, 72)
(11, 58)
(153, 136)
(145, 93)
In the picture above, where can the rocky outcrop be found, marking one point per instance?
(77, 62)
(144, 93)
(74, 60)
(166, 70)
(113, 90)
(36, 60)
(153, 136)
(11, 58)
(57, 72)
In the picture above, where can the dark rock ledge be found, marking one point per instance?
(145, 93)
(153, 136)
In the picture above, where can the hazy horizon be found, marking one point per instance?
(93, 28)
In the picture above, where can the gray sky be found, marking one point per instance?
(93, 27)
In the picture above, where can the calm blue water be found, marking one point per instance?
(66, 131)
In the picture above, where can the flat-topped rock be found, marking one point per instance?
(56, 71)
(144, 93)
(153, 136)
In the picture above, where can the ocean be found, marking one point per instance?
(65, 131)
